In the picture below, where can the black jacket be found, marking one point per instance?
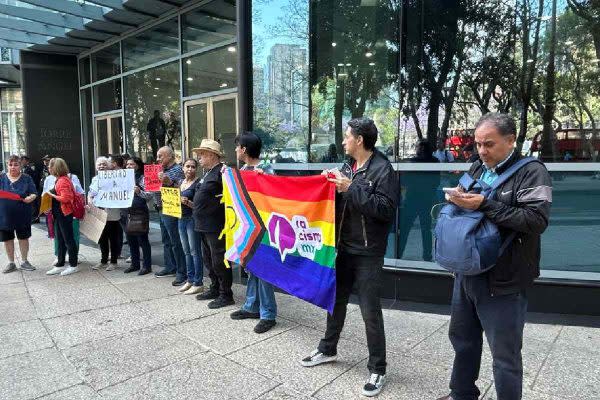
(522, 205)
(364, 213)
(209, 213)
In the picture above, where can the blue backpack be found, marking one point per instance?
(467, 242)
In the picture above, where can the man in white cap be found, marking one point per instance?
(209, 218)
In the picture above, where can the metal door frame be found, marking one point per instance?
(210, 120)
(108, 118)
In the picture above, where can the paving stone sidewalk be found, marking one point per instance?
(106, 335)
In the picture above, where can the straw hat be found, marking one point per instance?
(210, 145)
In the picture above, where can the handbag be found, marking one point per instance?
(138, 222)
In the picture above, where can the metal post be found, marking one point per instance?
(244, 65)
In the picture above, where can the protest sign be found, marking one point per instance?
(151, 181)
(46, 203)
(93, 223)
(115, 188)
(171, 201)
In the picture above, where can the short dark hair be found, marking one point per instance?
(366, 128)
(13, 158)
(119, 160)
(504, 123)
(192, 160)
(251, 141)
(138, 161)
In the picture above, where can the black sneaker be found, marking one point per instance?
(220, 302)
(207, 295)
(264, 325)
(163, 273)
(144, 271)
(178, 283)
(131, 269)
(374, 385)
(243, 314)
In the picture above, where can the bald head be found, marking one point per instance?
(165, 156)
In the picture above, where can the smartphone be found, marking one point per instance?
(452, 191)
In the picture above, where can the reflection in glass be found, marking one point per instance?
(211, 71)
(13, 134)
(280, 71)
(152, 111)
(107, 96)
(209, 24)
(356, 72)
(197, 126)
(84, 71)
(87, 126)
(225, 127)
(11, 99)
(106, 62)
(155, 44)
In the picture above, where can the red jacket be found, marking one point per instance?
(65, 194)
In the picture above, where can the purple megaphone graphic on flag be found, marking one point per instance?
(281, 234)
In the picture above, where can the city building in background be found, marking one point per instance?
(97, 80)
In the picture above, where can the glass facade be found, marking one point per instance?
(106, 62)
(12, 130)
(424, 70)
(146, 93)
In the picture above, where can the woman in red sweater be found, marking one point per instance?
(63, 196)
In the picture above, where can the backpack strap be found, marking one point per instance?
(510, 171)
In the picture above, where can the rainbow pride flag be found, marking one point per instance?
(282, 229)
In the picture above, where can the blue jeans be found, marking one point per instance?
(190, 241)
(173, 252)
(135, 242)
(260, 297)
(502, 317)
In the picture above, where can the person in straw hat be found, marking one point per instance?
(209, 219)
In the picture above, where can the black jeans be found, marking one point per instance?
(213, 254)
(364, 272)
(66, 239)
(110, 239)
(474, 311)
(135, 242)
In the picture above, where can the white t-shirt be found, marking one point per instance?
(50, 181)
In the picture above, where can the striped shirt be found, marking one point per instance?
(175, 173)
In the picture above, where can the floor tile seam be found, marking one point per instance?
(251, 368)
(86, 310)
(149, 371)
(487, 390)
(67, 293)
(25, 353)
(550, 350)
(352, 366)
(65, 389)
(261, 340)
(268, 391)
(431, 334)
(45, 318)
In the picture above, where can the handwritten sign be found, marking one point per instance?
(93, 223)
(46, 203)
(115, 188)
(171, 201)
(151, 181)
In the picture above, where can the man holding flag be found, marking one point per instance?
(365, 208)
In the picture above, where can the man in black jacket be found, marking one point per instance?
(495, 302)
(365, 207)
(209, 220)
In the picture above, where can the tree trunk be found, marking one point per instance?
(548, 150)
(338, 112)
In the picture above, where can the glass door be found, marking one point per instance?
(212, 118)
(109, 135)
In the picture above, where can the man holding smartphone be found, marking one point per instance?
(367, 193)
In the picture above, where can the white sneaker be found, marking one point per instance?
(99, 266)
(316, 358)
(128, 261)
(111, 266)
(55, 271)
(69, 271)
(373, 385)
(185, 287)
(195, 290)
(55, 263)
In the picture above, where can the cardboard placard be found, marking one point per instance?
(171, 201)
(93, 223)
